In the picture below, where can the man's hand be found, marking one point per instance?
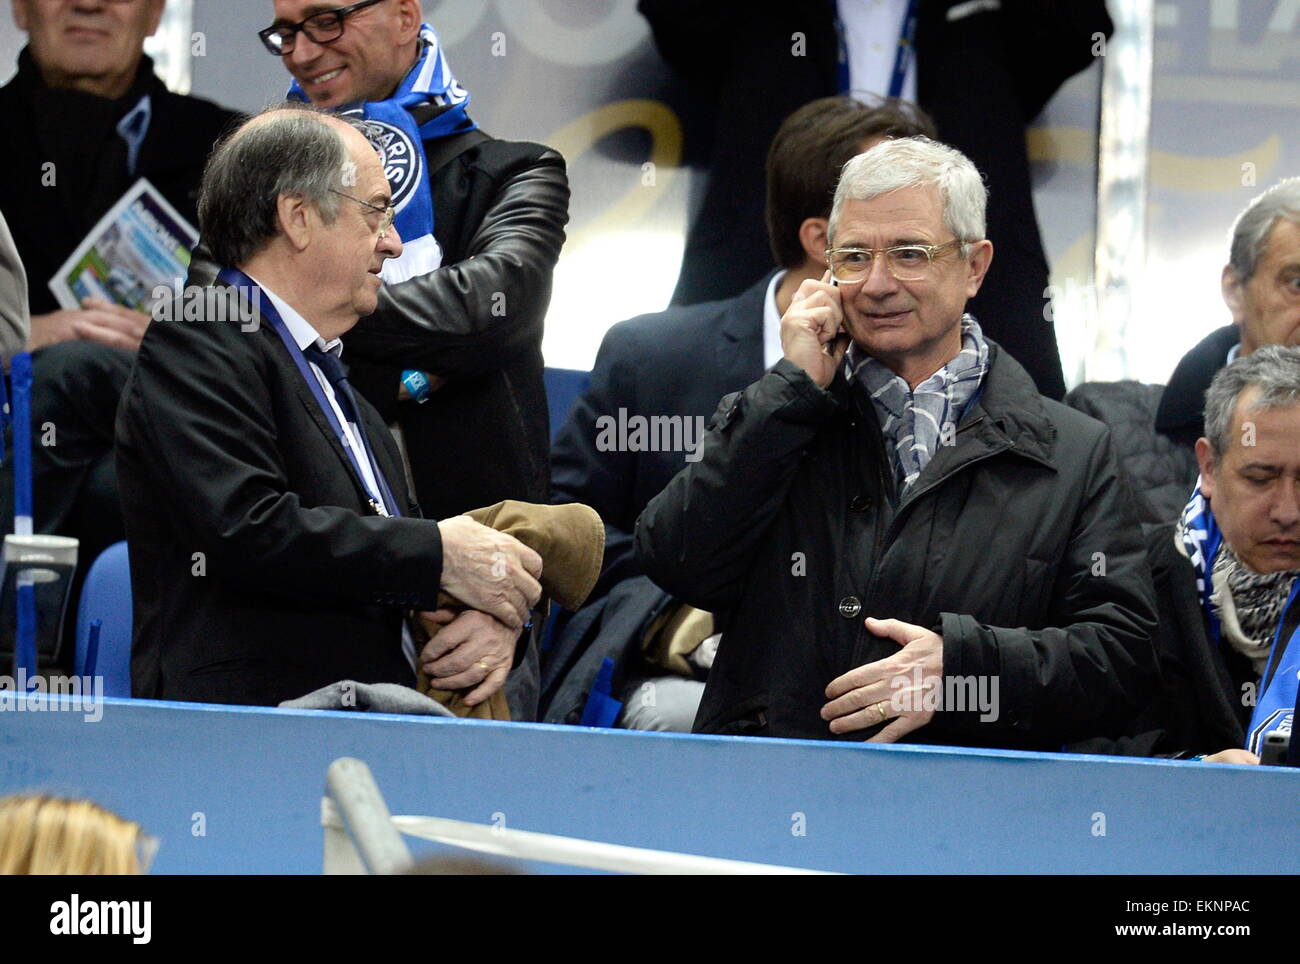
(489, 570)
(1232, 756)
(863, 697)
(811, 330)
(96, 320)
(471, 649)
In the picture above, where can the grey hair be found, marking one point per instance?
(904, 162)
(288, 149)
(1273, 369)
(1253, 225)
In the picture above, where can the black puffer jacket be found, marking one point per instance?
(1160, 470)
(1018, 544)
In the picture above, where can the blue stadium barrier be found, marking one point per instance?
(563, 386)
(237, 790)
(106, 596)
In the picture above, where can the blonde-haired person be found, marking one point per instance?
(42, 834)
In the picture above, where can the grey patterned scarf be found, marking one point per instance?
(1257, 598)
(913, 422)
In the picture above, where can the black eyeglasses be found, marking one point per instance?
(322, 28)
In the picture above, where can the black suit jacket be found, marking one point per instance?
(679, 362)
(983, 77)
(1181, 415)
(259, 572)
(477, 322)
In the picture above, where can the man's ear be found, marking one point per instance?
(20, 15)
(155, 15)
(410, 19)
(814, 240)
(297, 218)
(978, 261)
(1234, 294)
(1205, 460)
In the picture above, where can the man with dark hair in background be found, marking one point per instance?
(678, 363)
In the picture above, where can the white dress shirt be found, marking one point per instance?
(772, 350)
(305, 335)
(871, 32)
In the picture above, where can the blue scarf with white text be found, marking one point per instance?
(429, 82)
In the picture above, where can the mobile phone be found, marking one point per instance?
(1273, 751)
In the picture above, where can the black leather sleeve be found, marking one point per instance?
(487, 308)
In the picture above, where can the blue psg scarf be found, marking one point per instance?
(1276, 698)
(429, 82)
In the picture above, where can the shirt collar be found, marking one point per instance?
(772, 351)
(299, 327)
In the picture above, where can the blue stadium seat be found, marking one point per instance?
(563, 386)
(106, 596)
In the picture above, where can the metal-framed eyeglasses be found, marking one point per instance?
(905, 262)
(389, 212)
(322, 28)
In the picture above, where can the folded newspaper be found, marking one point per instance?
(140, 244)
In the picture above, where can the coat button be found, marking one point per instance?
(860, 503)
(850, 606)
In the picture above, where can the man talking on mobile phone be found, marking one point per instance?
(900, 536)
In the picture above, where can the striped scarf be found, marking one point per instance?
(915, 422)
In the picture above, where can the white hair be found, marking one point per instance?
(1253, 225)
(903, 162)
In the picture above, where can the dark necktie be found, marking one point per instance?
(337, 375)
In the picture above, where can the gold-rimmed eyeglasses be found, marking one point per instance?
(906, 262)
(388, 212)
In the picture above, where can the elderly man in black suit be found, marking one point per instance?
(274, 546)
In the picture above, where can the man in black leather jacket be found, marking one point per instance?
(473, 324)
